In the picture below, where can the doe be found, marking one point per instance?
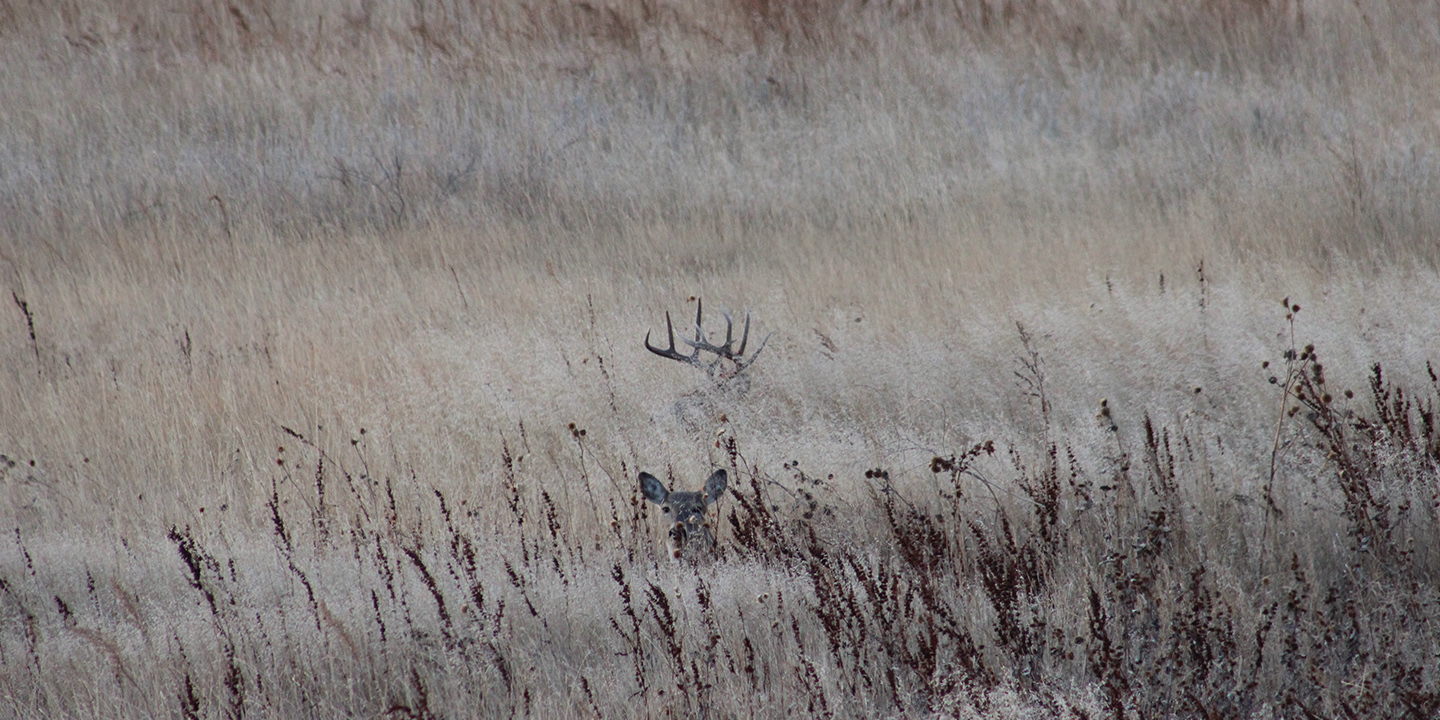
(688, 535)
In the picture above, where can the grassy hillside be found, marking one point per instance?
(323, 388)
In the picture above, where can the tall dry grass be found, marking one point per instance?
(323, 389)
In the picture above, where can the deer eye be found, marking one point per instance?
(665, 508)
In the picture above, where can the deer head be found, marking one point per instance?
(688, 534)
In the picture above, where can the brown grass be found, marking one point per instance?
(323, 392)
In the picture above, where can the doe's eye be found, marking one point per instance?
(665, 508)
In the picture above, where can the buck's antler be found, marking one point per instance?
(726, 351)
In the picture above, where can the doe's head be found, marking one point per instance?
(688, 532)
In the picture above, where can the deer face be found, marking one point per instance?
(688, 533)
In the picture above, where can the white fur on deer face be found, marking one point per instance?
(688, 533)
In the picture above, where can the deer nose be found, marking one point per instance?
(677, 540)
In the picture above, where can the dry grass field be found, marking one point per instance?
(323, 391)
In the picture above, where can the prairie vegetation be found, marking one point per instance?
(323, 390)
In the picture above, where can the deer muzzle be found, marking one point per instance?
(677, 536)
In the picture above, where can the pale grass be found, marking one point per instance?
(442, 228)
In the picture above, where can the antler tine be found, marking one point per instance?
(700, 343)
(699, 315)
(670, 352)
(727, 350)
(722, 352)
(744, 363)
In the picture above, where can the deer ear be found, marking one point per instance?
(653, 489)
(715, 486)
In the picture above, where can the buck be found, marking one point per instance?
(729, 363)
(688, 534)
(725, 366)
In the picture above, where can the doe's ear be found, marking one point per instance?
(715, 486)
(653, 489)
